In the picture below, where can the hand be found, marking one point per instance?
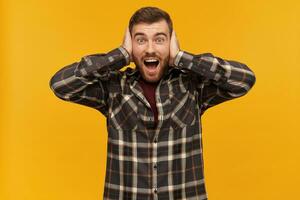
(174, 48)
(127, 43)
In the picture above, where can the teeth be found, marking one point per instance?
(151, 60)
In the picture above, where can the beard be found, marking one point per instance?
(151, 72)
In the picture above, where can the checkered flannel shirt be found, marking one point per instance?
(145, 161)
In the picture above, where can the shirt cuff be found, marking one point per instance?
(117, 58)
(183, 60)
(126, 54)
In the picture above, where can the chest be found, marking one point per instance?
(175, 101)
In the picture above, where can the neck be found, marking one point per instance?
(147, 82)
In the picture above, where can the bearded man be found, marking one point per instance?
(154, 110)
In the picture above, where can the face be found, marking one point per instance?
(151, 49)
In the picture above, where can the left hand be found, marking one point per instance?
(174, 48)
(127, 43)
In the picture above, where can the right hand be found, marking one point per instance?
(127, 43)
(174, 48)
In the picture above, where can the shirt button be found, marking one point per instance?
(155, 140)
(155, 166)
(155, 190)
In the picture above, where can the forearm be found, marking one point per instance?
(99, 65)
(231, 76)
(92, 68)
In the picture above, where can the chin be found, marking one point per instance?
(150, 79)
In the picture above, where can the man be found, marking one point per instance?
(153, 111)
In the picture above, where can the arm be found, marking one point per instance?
(85, 82)
(219, 80)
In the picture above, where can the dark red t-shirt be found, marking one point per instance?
(149, 93)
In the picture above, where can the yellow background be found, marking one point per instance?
(55, 150)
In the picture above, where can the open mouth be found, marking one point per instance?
(151, 63)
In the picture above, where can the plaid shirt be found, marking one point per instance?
(146, 161)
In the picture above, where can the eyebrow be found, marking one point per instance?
(156, 34)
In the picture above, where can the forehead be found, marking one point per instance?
(151, 29)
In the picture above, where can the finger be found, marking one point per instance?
(127, 32)
(125, 35)
(172, 35)
(128, 35)
(176, 40)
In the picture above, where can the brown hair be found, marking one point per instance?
(150, 15)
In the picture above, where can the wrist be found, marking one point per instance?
(173, 58)
(126, 54)
(177, 58)
(184, 60)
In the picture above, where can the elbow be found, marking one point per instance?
(246, 84)
(250, 78)
(241, 85)
(60, 82)
(54, 85)
(54, 81)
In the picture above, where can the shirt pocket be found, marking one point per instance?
(123, 111)
(183, 112)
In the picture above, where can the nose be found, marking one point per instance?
(150, 48)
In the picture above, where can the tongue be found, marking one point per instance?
(151, 65)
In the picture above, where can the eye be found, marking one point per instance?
(140, 40)
(159, 40)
